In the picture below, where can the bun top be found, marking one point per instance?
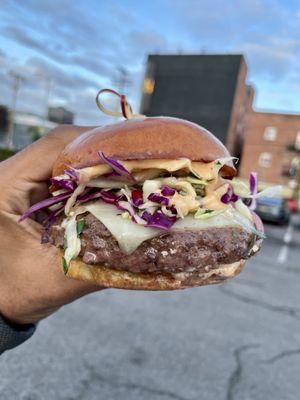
(144, 139)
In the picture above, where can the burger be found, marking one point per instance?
(150, 204)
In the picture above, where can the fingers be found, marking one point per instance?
(35, 162)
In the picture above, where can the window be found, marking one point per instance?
(297, 141)
(270, 133)
(148, 86)
(265, 160)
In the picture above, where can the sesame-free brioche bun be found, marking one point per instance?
(144, 139)
(113, 278)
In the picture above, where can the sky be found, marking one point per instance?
(71, 49)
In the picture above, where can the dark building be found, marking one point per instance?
(210, 90)
(60, 115)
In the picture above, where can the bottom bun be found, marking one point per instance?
(113, 278)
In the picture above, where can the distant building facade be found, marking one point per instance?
(210, 90)
(271, 147)
(60, 115)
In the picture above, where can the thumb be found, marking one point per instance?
(35, 162)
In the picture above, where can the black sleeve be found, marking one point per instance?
(12, 335)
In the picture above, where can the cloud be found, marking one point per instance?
(80, 45)
(256, 28)
(80, 49)
(56, 52)
(2, 59)
(147, 40)
(74, 91)
(272, 60)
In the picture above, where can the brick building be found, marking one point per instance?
(210, 90)
(271, 147)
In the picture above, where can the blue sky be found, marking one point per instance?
(78, 46)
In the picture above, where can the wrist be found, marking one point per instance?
(16, 308)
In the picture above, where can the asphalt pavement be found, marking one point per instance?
(235, 341)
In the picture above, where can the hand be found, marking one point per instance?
(32, 284)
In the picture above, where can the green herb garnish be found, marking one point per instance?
(200, 190)
(65, 265)
(65, 244)
(80, 226)
(202, 213)
(258, 233)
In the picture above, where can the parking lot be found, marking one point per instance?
(239, 340)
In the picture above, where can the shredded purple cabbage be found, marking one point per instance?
(48, 222)
(73, 174)
(63, 183)
(44, 204)
(173, 209)
(167, 191)
(105, 195)
(137, 197)
(156, 198)
(117, 167)
(89, 196)
(158, 220)
(229, 196)
(109, 197)
(253, 184)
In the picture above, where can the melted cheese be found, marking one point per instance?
(130, 235)
(229, 217)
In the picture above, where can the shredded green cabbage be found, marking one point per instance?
(72, 240)
(195, 181)
(202, 213)
(243, 209)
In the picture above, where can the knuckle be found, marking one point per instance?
(57, 132)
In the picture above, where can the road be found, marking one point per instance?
(236, 341)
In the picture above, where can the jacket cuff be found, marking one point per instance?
(11, 335)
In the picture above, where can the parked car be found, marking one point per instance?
(273, 210)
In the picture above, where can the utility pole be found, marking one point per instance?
(48, 85)
(123, 81)
(17, 81)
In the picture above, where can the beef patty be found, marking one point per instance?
(173, 252)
